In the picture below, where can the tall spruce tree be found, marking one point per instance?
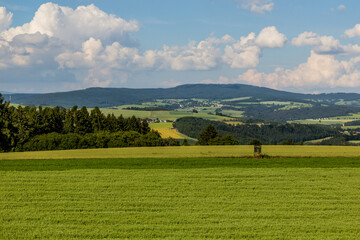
(207, 135)
(4, 140)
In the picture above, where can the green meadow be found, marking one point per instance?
(161, 115)
(180, 198)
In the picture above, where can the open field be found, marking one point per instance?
(331, 120)
(311, 198)
(190, 152)
(166, 130)
(235, 99)
(350, 127)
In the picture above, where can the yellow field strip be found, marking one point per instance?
(190, 152)
(167, 132)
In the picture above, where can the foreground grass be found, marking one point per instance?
(311, 198)
(190, 152)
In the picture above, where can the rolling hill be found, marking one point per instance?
(108, 97)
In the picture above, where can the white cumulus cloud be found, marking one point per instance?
(269, 37)
(325, 44)
(5, 19)
(60, 31)
(257, 6)
(321, 71)
(75, 26)
(353, 32)
(246, 52)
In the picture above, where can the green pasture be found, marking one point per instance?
(350, 127)
(331, 120)
(198, 198)
(327, 121)
(190, 152)
(161, 115)
(233, 113)
(161, 125)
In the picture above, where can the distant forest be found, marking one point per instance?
(269, 133)
(264, 112)
(30, 128)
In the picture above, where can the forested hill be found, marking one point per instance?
(108, 97)
(274, 133)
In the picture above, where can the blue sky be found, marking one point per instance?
(298, 45)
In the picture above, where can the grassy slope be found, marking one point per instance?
(180, 199)
(190, 152)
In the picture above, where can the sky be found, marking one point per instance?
(293, 45)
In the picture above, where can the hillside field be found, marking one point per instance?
(197, 198)
(166, 130)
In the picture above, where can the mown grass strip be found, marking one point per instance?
(185, 163)
(190, 152)
(211, 203)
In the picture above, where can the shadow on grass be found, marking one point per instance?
(175, 163)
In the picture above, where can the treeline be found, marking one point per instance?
(57, 141)
(271, 133)
(22, 127)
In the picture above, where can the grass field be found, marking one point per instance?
(190, 152)
(162, 115)
(311, 198)
(332, 120)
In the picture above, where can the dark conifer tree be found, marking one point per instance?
(4, 132)
(82, 121)
(97, 119)
(120, 123)
(208, 134)
(111, 123)
(69, 123)
(144, 127)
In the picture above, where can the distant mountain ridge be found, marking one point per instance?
(108, 97)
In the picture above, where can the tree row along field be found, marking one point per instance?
(187, 199)
(190, 152)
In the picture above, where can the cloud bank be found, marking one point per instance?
(99, 50)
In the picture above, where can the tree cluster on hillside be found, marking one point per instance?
(270, 133)
(209, 136)
(20, 126)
